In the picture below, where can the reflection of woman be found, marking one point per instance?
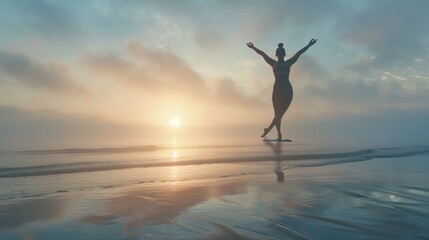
(282, 91)
(277, 149)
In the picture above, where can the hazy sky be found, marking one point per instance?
(119, 70)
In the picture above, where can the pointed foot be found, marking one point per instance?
(266, 131)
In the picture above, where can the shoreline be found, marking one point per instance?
(350, 200)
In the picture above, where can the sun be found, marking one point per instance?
(175, 122)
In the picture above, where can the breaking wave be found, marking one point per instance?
(292, 160)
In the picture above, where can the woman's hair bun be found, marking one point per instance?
(280, 52)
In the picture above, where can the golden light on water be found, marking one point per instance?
(173, 155)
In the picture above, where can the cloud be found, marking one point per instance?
(214, 25)
(393, 31)
(384, 127)
(21, 129)
(211, 39)
(173, 20)
(115, 67)
(206, 37)
(309, 71)
(46, 20)
(324, 93)
(228, 91)
(26, 70)
(162, 72)
(257, 18)
(169, 68)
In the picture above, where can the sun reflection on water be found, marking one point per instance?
(173, 155)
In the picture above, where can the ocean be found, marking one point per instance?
(264, 190)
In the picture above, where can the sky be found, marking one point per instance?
(106, 72)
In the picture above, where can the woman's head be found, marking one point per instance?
(280, 52)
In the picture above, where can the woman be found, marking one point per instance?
(282, 91)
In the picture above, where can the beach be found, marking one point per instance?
(206, 120)
(215, 192)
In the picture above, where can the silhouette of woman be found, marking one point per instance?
(282, 91)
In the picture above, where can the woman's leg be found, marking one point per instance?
(268, 129)
(276, 106)
(280, 105)
(281, 110)
(278, 127)
(277, 118)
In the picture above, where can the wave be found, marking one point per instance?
(107, 150)
(128, 149)
(293, 160)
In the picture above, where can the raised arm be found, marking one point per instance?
(293, 59)
(260, 52)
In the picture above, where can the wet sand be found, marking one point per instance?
(378, 198)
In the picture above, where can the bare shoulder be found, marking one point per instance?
(291, 61)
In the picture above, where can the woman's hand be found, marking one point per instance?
(312, 41)
(250, 45)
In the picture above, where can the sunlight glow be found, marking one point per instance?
(175, 122)
(173, 154)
